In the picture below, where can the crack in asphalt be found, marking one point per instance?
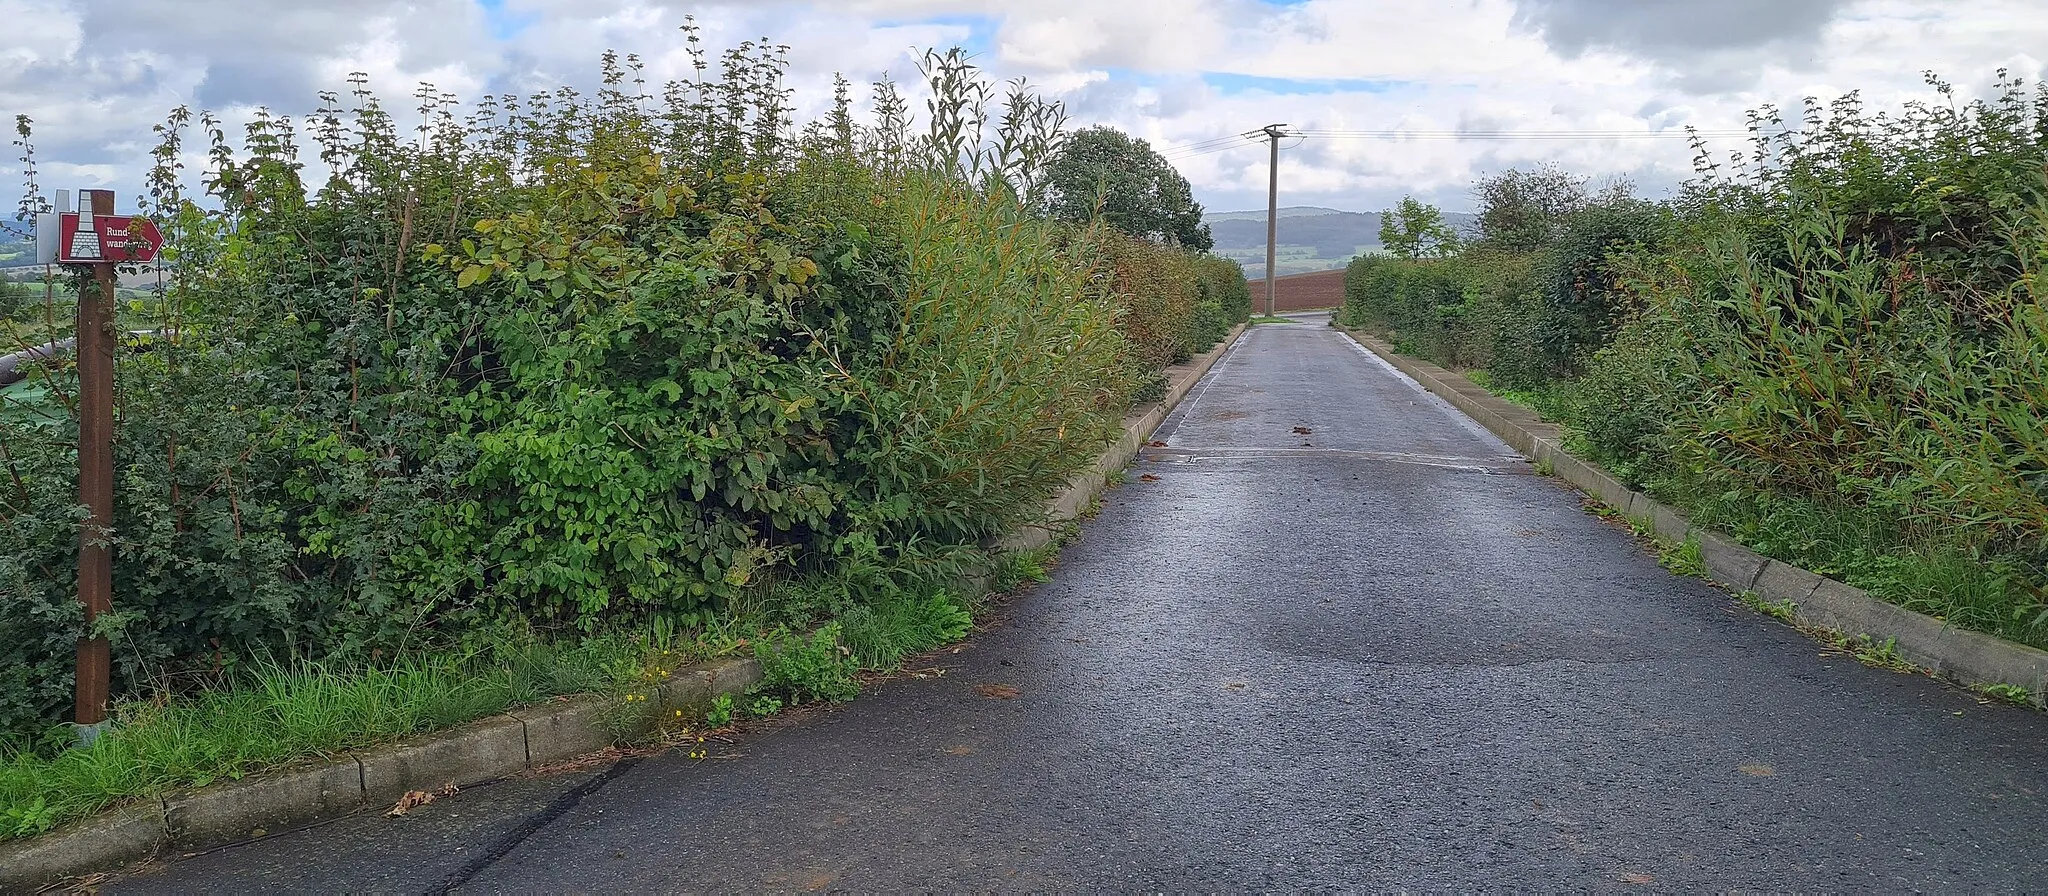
(502, 845)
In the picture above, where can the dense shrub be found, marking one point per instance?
(583, 363)
(1421, 304)
(1835, 346)
(1223, 299)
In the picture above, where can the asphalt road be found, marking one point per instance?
(1376, 654)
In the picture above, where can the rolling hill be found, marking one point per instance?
(1311, 238)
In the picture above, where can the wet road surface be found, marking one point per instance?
(1346, 640)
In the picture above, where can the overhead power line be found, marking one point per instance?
(1251, 138)
(1519, 135)
(1231, 140)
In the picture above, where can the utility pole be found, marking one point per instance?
(1273, 134)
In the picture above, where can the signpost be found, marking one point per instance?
(97, 237)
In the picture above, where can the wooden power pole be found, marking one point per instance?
(1273, 134)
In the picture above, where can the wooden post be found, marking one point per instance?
(95, 472)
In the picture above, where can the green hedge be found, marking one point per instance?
(1838, 352)
(578, 365)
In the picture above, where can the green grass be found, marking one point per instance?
(2009, 692)
(1272, 319)
(1547, 400)
(1915, 567)
(1781, 610)
(280, 714)
(276, 714)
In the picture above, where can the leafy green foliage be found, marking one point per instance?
(581, 364)
(1522, 211)
(1103, 172)
(808, 668)
(1416, 229)
(1834, 347)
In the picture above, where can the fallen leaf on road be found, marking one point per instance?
(1302, 430)
(1637, 877)
(1155, 443)
(410, 801)
(996, 691)
(1148, 478)
(1759, 771)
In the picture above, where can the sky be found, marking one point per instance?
(96, 74)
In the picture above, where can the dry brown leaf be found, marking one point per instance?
(1148, 478)
(1637, 877)
(996, 691)
(1759, 771)
(413, 799)
(1155, 443)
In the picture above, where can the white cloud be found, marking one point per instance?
(95, 73)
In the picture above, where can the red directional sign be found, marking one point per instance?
(97, 239)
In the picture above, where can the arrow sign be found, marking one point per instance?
(85, 238)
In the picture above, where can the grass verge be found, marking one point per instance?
(276, 715)
(279, 714)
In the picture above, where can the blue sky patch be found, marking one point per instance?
(981, 31)
(503, 23)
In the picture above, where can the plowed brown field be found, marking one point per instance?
(1301, 292)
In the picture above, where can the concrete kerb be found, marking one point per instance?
(1669, 523)
(1781, 583)
(487, 750)
(128, 835)
(567, 728)
(1970, 658)
(481, 751)
(693, 691)
(1729, 563)
(254, 808)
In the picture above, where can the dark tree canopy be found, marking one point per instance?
(1522, 211)
(1139, 191)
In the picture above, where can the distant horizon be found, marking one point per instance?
(1260, 213)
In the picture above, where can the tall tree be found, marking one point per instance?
(1134, 189)
(1523, 211)
(1416, 230)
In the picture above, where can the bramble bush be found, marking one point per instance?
(569, 364)
(1834, 346)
